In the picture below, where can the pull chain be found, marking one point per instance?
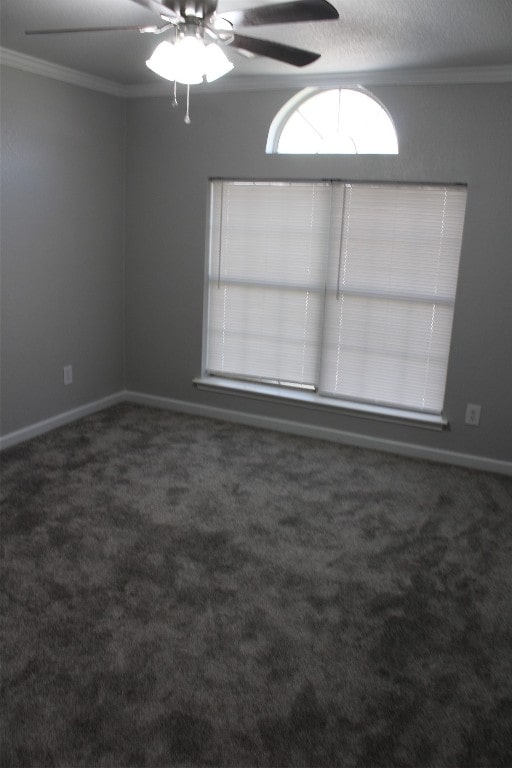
(174, 102)
(187, 116)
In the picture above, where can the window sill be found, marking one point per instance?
(318, 402)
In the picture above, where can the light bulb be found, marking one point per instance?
(189, 60)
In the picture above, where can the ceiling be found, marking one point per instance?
(370, 36)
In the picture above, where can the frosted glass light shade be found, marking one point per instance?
(188, 61)
(217, 63)
(162, 60)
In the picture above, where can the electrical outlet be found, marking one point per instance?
(473, 414)
(68, 374)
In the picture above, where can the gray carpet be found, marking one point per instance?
(184, 592)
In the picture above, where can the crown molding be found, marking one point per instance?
(17, 60)
(244, 83)
(233, 82)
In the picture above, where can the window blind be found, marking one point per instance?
(347, 289)
(390, 295)
(267, 280)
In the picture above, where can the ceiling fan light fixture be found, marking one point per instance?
(189, 60)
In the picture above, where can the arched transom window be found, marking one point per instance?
(335, 121)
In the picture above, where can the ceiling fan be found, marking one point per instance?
(197, 34)
(200, 17)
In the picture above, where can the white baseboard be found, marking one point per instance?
(287, 426)
(40, 427)
(410, 450)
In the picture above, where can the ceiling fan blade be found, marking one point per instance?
(298, 57)
(283, 13)
(89, 29)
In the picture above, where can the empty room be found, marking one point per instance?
(256, 384)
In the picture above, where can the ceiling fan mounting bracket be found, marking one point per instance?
(174, 20)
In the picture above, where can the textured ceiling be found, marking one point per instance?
(371, 35)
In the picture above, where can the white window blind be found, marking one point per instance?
(391, 293)
(267, 280)
(347, 289)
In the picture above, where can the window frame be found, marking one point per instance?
(288, 109)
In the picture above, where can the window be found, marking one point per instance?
(340, 290)
(335, 121)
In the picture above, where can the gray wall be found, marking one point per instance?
(446, 133)
(62, 243)
(63, 228)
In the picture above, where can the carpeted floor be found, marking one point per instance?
(184, 592)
